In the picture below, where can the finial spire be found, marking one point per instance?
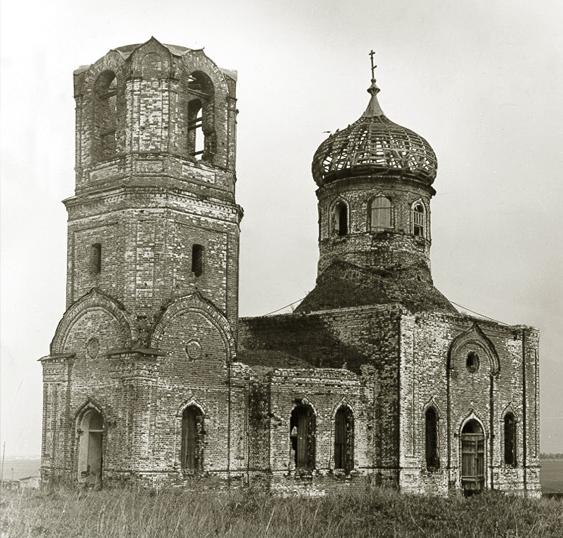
(371, 55)
(373, 88)
(373, 108)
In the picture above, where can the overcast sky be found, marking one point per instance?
(482, 81)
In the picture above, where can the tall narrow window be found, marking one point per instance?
(96, 259)
(344, 439)
(192, 439)
(105, 116)
(509, 439)
(302, 434)
(195, 127)
(381, 213)
(197, 259)
(340, 219)
(201, 138)
(418, 220)
(431, 441)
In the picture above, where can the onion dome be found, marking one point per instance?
(374, 145)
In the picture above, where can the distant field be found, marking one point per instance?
(16, 469)
(551, 472)
(552, 476)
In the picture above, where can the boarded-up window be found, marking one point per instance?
(381, 213)
(344, 439)
(340, 219)
(192, 439)
(302, 434)
(431, 441)
(418, 220)
(96, 258)
(509, 439)
(197, 259)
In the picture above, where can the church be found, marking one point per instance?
(375, 378)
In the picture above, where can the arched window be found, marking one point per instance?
(105, 116)
(381, 213)
(431, 439)
(192, 439)
(201, 138)
(91, 431)
(302, 435)
(344, 439)
(340, 219)
(509, 439)
(418, 219)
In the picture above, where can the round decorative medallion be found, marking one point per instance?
(472, 362)
(93, 347)
(193, 350)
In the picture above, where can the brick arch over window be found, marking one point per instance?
(196, 303)
(94, 299)
(474, 337)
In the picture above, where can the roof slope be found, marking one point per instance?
(343, 285)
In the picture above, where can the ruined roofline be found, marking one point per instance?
(125, 52)
(397, 307)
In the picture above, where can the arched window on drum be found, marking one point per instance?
(381, 214)
(418, 219)
(340, 219)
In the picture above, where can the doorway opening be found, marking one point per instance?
(472, 458)
(302, 436)
(90, 448)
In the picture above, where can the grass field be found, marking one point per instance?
(174, 514)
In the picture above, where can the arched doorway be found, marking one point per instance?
(472, 457)
(90, 448)
(192, 439)
(302, 436)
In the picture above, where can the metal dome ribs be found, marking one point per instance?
(374, 145)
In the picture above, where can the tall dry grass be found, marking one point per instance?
(144, 514)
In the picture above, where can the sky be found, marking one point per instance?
(482, 81)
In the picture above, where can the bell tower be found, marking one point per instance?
(154, 215)
(147, 340)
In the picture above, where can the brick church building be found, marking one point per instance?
(153, 378)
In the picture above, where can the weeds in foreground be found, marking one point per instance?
(248, 513)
